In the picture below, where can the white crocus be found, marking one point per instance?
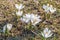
(8, 27)
(20, 6)
(19, 13)
(34, 19)
(46, 33)
(26, 18)
(49, 8)
(52, 10)
(46, 8)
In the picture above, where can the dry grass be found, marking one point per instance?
(7, 15)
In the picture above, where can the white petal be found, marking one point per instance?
(19, 13)
(37, 21)
(17, 6)
(4, 28)
(34, 19)
(50, 35)
(52, 10)
(44, 6)
(9, 26)
(20, 7)
(46, 35)
(45, 30)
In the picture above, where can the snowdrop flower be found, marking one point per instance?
(49, 8)
(8, 27)
(26, 18)
(46, 33)
(52, 10)
(34, 19)
(19, 13)
(19, 7)
(46, 8)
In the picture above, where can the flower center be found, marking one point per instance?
(46, 33)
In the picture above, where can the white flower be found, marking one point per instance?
(46, 8)
(46, 33)
(52, 10)
(8, 27)
(49, 8)
(19, 13)
(26, 18)
(19, 7)
(34, 19)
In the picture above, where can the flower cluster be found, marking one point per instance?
(34, 19)
(49, 8)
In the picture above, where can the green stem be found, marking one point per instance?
(45, 39)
